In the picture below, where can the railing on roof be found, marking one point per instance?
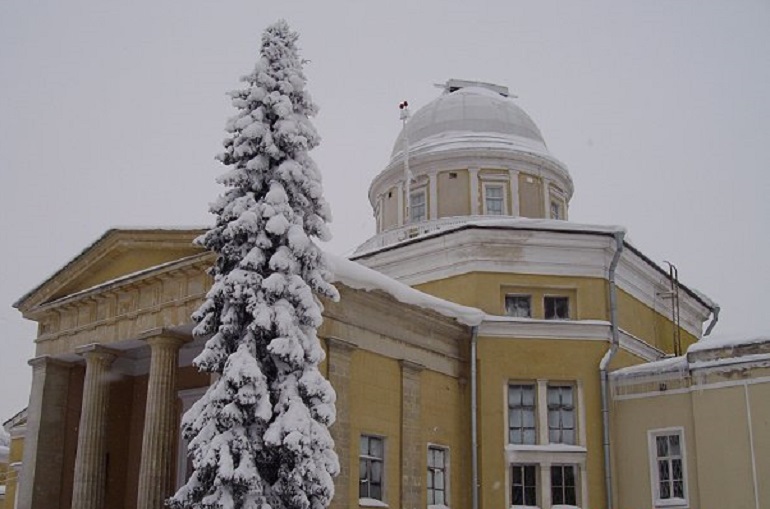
(413, 230)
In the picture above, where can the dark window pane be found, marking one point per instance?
(673, 442)
(679, 489)
(530, 475)
(556, 476)
(677, 469)
(376, 492)
(517, 476)
(663, 470)
(530, 493)
(570, 495)
(569, 476)
(665, 490)
(518, 495)
(662, 446)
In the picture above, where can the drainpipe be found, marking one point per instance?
(714, 320)
(603, 365)
(474, 423)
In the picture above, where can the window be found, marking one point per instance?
(556, 308)
(524, 485)
(518, 305)
(437, 475)
(494, 202)
(563, 489)
(417, 206)
(521, 414)
(370, 467)
(556, 210)
(561, 414)
(668, 466)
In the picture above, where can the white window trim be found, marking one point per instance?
(653, 460)
(502, 186)
(373, 502)
(545, 454)
(447, 475)
(188, 397)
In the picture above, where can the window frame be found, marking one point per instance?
(444, 473)
(370, 460)
(653, 457)
(517, 295)
(537, 486)
(523, 408)
(566, 298)
(503, 198)
(563, 488)
(421, 191)
(561, 408)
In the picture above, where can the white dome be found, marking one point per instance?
(473, 114)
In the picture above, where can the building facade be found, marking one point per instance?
(468, 350)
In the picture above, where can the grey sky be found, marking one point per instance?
(111, 113)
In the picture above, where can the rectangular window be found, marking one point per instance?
(524, 485)
(556, 210)
(370, 467)
(518, 305)
(561, 414)
(417, 210)
(563, 491)
(438, 461)
(521, 414)
(556, 308)
(668, 466)
(494, 200)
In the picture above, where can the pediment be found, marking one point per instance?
(117, 253)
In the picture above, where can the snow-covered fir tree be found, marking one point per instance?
(259, 437)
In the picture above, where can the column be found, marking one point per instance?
(339, 360)
(473, 175)
(89, 485)
(43, 455)
(542, 412)
(157, 464)
(433, 193)
(515, 201)
(412, 447)
(546, 198)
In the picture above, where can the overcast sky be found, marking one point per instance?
(111, 113)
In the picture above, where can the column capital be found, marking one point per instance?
(164, 337)
(97, 351)
(45, 360)
(408, 365)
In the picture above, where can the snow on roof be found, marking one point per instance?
(681, 363)
(357, 276)
(728, 340)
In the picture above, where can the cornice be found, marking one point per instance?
(535, 252)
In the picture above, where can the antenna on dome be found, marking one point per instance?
(404, 107)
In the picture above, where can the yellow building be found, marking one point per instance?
(470, 349)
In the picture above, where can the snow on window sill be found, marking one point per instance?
(564, 506)
(437, 506)
(371, 502)
(524, 507)
(546, 448)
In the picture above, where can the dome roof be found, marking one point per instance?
(471, 112)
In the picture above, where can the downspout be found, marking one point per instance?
(604, 364)
(474, 423)
(714, 320)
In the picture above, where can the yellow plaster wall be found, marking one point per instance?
(654, 327)
(530, 196)
(15, 455)
(390, 208)
(505, 360)
(759, 396)
(631, 420)
(454, 193)
(375, 409)
(486, 291)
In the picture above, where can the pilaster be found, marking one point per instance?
(41, 472)
(546, 198)
(157, 464)
(515, 200)
(412, 448)
(433, 193)
(473, 176)
(339, 362)
(90, 462)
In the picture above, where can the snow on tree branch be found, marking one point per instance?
(259, 437)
